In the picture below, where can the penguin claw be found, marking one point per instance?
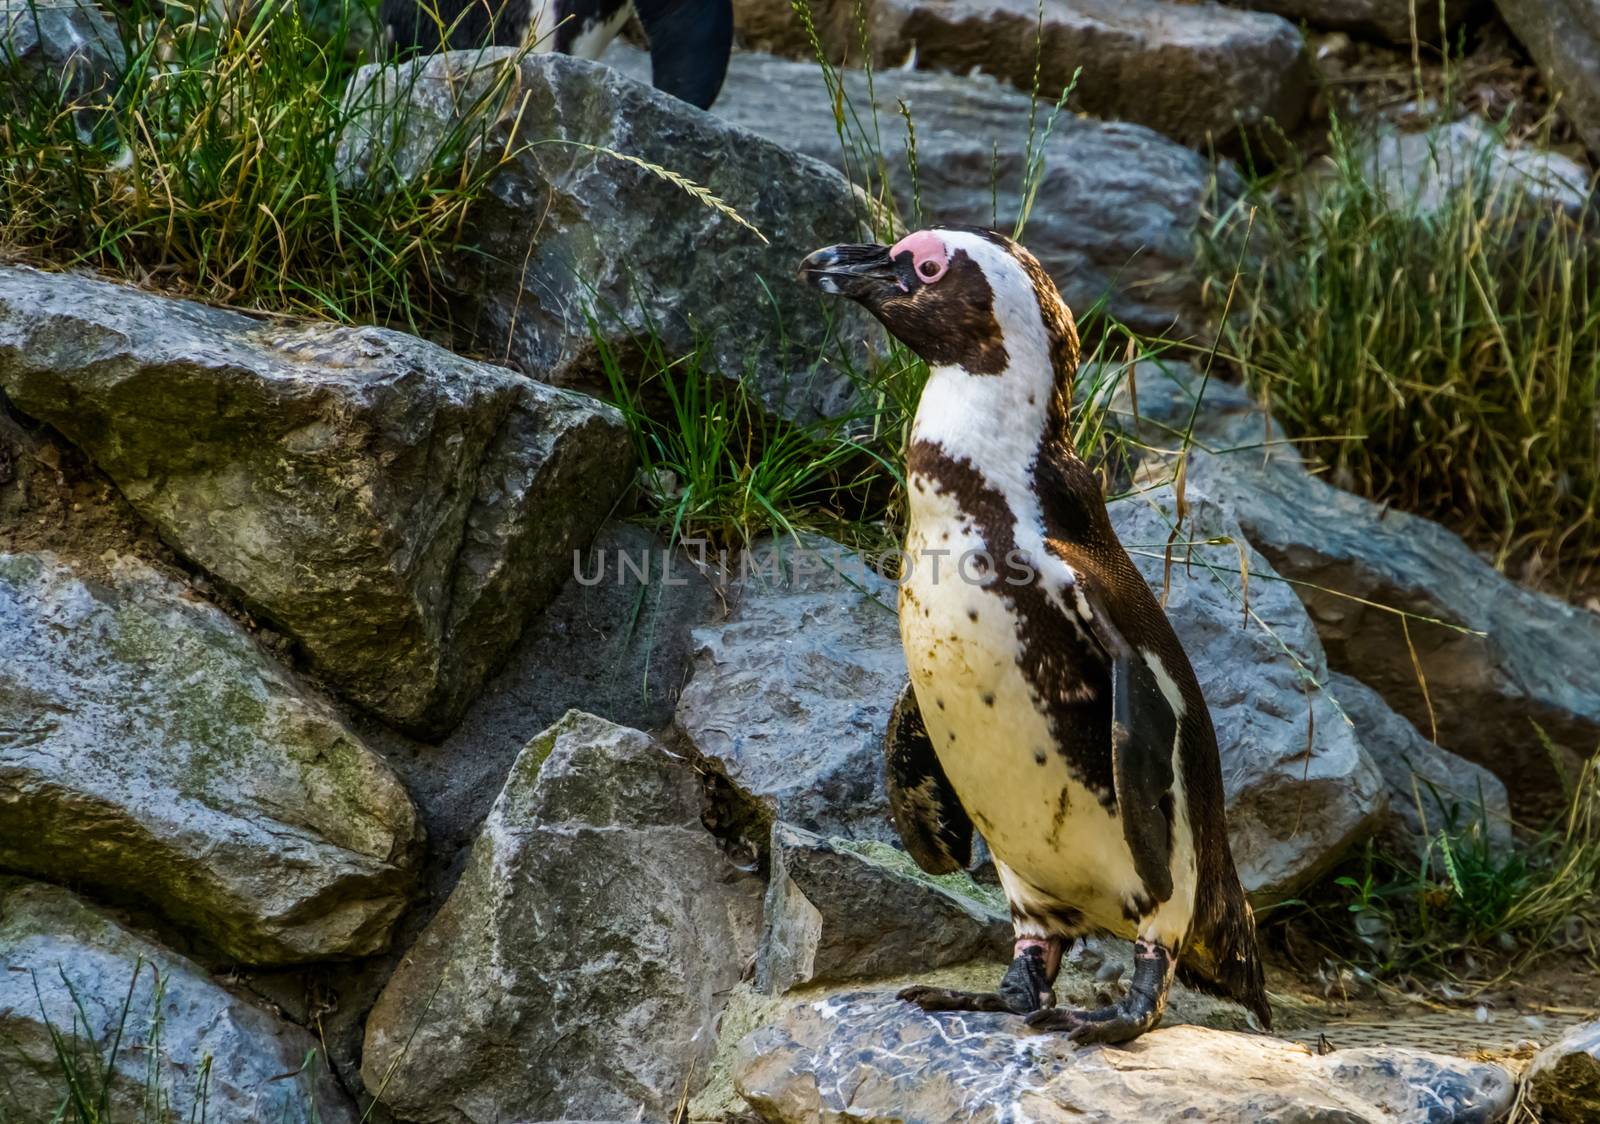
(1025, 989)
(1108, 1025)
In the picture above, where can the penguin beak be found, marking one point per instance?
(862, 272)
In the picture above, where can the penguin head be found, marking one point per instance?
(958, 296)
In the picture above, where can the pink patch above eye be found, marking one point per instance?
(929, 257)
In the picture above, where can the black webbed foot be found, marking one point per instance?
(1024, 990)
(1140, 1010)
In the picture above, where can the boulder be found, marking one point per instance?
(1117, 205)
(1563, 36)
(616, 642)
(1381, 19)
(580, 963)
(68, 46)
(1563, 1080)
(1496, 660)
(583, 247)
(791, 694)
(149, 749)
(1481, 667)
(1422, 169)
(136, 1019)
(867, 1057)
(1300, 788)
(397, 510)
(839, 910)
(1430, 789)
(1142, 60)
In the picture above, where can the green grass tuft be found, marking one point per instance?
(210, 166)
(1448, 360)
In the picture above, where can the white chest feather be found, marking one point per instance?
(982, 714)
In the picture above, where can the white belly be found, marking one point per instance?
(961, 645)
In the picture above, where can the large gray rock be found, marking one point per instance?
(69, 969)
(615, 642)
(66, 46)
(1300, 788)
(1563, 1080)
(1482, 662)
(1494, 658)
(791, 694)
(398, 510)
(867, 1057)
(1563, 36)
(1117, 207)
(1430, 789)
(840, 910)
(149, 749)
(580, 962)
(571, 241)
(1143, 60)
(1383, 19)
(1422, 169)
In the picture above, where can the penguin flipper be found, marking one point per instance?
(1144, 729)
(930, 819)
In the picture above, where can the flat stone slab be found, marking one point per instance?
(868, 1057)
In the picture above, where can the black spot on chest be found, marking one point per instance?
(1066, 674)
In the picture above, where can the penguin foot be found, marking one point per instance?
(1024, 990)
(1140, 1010)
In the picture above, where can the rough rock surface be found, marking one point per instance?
(1142, 60)
(67, 45)
(1563, 36)
(1563, 1080)
(1420, 169)
(1503, 657)
(1382, 19)
(579, 964)
(1300, 788)
(1117, 206)
(791, 694)
(618, 648)
(1429, 788)
(566, 232)
(396, 509)
(88, 970)
(149, 749)
(1528, 658)
(867, 1057)
(840, 910)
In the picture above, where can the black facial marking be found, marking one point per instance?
(950, 321)
(1063, 669)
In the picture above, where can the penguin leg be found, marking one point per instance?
(1140, 1010)
(1026, 987)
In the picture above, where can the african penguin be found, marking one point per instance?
(689, 39)
(1050, 704)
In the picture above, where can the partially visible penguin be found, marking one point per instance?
(689, 39)
(1050, 703)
